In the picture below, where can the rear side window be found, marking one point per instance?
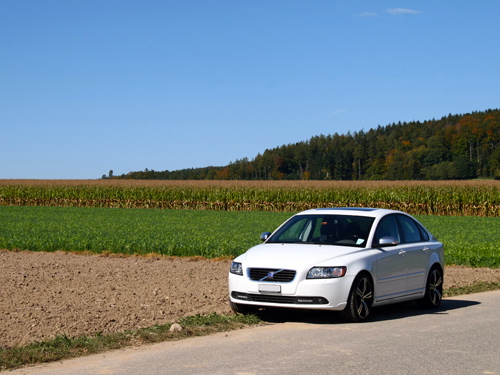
(411, 230)
(423, 233)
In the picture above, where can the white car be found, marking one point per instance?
(340, 259)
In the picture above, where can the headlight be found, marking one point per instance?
(326, 272)
(236, 268)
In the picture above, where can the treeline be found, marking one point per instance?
(454, 147)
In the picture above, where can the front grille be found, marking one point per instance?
(266, 298)
(271, 274)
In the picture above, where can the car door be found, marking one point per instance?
(391, 264)
(416, 251)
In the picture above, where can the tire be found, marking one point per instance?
(433, 289)
(243, 309)
(360, 300)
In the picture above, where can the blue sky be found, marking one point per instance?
(89, 86)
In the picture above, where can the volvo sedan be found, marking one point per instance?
(340, 259)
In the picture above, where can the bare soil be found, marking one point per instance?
(43, 295)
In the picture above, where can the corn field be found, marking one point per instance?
(465, 198)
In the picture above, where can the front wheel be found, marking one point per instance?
(360, 300)
(433, 289)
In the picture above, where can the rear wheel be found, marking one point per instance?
(433, 289)
(360, 300)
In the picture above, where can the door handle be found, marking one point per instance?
(426, 249)
(402, 252)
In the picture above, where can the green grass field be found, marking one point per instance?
(470, 241)
(209, 234)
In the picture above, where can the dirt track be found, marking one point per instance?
(46, 294)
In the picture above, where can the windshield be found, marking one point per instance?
(342, 230)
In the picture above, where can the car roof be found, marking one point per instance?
(355, 211)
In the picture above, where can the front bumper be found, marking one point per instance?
(314, 294)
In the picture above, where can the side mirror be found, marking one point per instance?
(264, 236)
(387, 241)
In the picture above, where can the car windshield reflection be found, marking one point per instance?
(339, 230)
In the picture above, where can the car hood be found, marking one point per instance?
(295, 256)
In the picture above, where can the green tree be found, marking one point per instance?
(464, 168)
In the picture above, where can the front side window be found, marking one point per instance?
(387, 227)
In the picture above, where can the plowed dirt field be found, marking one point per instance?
(43, 295)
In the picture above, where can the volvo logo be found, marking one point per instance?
(270, 275)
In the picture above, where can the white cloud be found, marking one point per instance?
(402, 11)
(337, 112)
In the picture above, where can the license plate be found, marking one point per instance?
(269, 288)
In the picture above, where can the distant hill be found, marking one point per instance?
(454, 147)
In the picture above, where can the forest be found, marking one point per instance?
(455, 147)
